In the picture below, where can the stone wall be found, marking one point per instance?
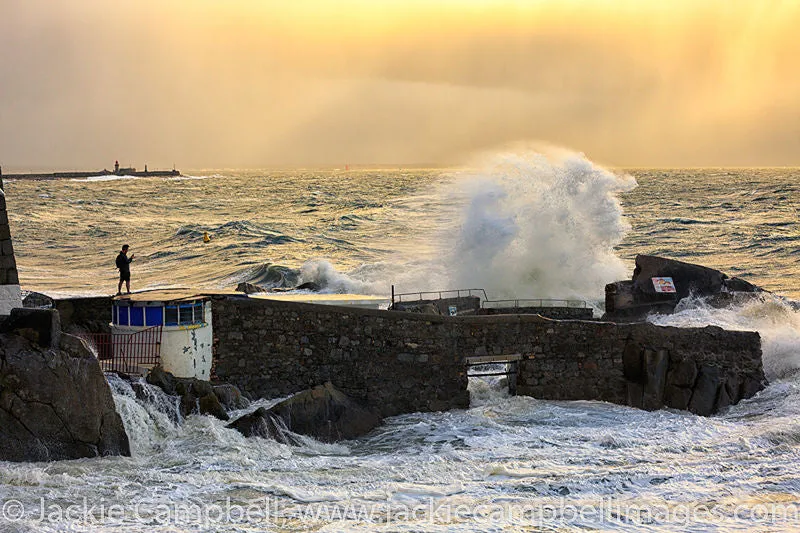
(643, 365)
(394, 362)
(402, 362)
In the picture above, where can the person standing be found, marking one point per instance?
(124, 266)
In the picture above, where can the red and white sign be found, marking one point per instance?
(663, 285)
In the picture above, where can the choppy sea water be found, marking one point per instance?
(522, 225)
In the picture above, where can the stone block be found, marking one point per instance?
(677, 397)
(656, 363)
(682, 374)
(42, 326)
(704, 395)
(633, 363)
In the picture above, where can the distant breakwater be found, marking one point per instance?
(92, 174)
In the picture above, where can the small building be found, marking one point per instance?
(171, 327)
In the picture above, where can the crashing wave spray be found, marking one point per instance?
(540, 225)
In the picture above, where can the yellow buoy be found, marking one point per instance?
(206, 238)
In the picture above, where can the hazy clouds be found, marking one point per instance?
(211, 83)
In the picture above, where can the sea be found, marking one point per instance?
(519, 224)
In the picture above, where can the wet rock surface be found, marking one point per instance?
(55, 402)
(324, 413)
(198, 396)
(634, 299)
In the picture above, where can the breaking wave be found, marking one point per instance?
(540, 225)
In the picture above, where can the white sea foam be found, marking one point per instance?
(112, 177)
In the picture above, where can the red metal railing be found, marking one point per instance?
(127, 352)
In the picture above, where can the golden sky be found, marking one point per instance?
(263, 83)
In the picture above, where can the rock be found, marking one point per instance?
(162, 379)
(633, 364)
(210, 405)
(323, 412)
(198, 395)
(723, 400)
(188, 404)
(677, 397)
(750, 387)
(704, 396)
(249, 288)
(230, 397)
(739, 285)
(326, 414)
(635, 299)
(687, 277)
(308, 286)
(656, 363)
(682, 374)
(200, 388)
(55, 403)
(262, 423)
(38, 300)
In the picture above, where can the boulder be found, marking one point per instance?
(636, 298)
(262, 423)
(323, 412)
(162, 379)
(37, 300)
(210, 405)
(706, 390)
(55, 403)
(308, 286)
(197, 395)
(688, 278)
(230, 397)
(249, 288)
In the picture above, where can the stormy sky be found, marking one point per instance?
(261, 83)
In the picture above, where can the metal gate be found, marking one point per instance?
(131, 353)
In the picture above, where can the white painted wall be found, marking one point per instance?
(10, 297)
(186, 350)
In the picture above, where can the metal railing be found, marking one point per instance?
(532, 302)
(440, 295)
(127, 352)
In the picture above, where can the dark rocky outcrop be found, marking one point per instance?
(636, 298)
(309, 286)
(37, 300)
(197, 395)
(323, 412)
(230, 397)
(250, 288)
(55, 402)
